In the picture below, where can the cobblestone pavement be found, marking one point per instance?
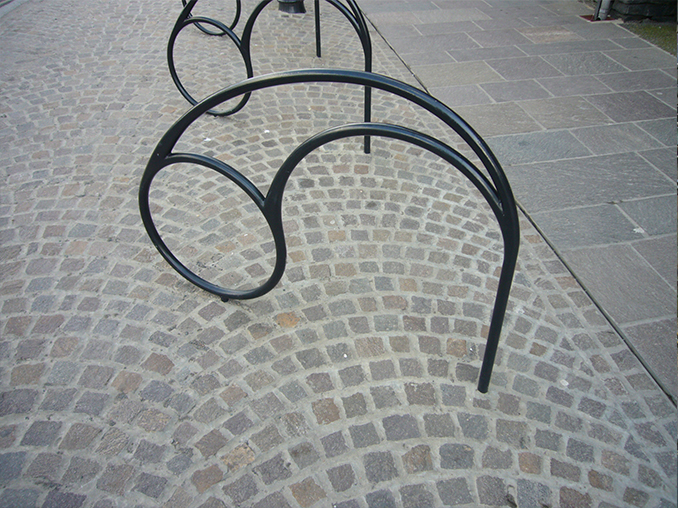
(352, 383)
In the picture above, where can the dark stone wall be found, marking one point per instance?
(657, 10)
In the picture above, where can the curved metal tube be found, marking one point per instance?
(495, 189)
(185, 19)
(352, 13)
(234, 23)
(357, 21)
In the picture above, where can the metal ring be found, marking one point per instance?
(179, 26)
(234, 23)
(247, 187)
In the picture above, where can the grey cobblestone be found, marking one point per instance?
(454, 492)
(379, 467)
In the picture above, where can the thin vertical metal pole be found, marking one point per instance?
(366, 41)
(317, 28)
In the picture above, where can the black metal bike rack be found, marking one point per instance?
(351, 11)
(495, 189)
(234, 23)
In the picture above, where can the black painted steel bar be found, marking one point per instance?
(244, 44)
(318, 47)
(491, 183)
(234, 23)
(186, 19)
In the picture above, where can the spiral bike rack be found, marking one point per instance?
(234, 23)
(495, 189)
(351, 11)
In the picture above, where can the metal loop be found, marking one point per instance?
(234, 23)
(493, 185)
(184, 20)
(352, 13)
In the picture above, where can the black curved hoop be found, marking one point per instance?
(495, 189)
(185, 19)
(234, 23)
(352, 13)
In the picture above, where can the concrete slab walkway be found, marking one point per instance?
(352, 383)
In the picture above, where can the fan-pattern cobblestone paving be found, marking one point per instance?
(352, 383)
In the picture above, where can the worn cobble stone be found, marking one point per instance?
(364, 435)
(574, 499)
(209, 411)
(320, 382)
(115, 478)
(439, 425)
(456, 456)
(238, 424)
(380, 498)
(400, 427)
(204, 479)
(293, 391)
(11, 465)
(41, 433)
(579, 451)
(473, 426)
(379, 467)
(410, 367)
(81, 471)
(453, 395)
(156, 391)
(17, 401)
(326, 411)
(113, 442)
(334, 444)
(533, 494)
(454, 492)
(267, 438)
(493, 458)
(547, 439)
(56, 499)
(354, 405)
(211, 443)
(307, 492)
(513, 433)
(19, 497)
(384, 396)
(273, 470)
(600, 481)
(149, 452)
(341, 477)
(91, 403)
(416, 496)
(304, 454)
(79, 436)
(242, 489)
(420, 394)
(275, 500)
(45, 466)
(565, 470)
(418, 459)
(239, 457)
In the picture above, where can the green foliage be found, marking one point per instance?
(662, 35)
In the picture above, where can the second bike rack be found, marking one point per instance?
(213, 27)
